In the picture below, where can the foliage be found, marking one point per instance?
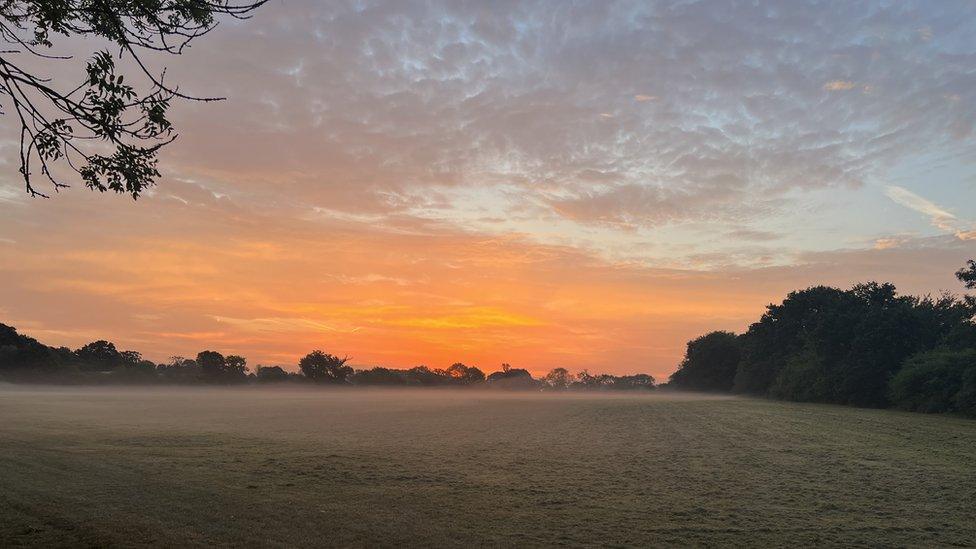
(829, 345)
(511, 378)
(380, 376)
(325, 368)
(22, 356)
(465, 375)
(710, 363)
(937, 381)
(105, 128)
(271, 373)
(558, 379)
(99, 356)
(867, 346)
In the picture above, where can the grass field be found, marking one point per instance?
(263, 467)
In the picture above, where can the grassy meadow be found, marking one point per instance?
(179, 467)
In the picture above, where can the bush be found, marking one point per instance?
(937, 381)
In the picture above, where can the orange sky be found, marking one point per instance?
(425, 183)
(168, 279)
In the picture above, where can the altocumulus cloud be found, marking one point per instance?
(691, 109)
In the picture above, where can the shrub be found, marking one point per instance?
(937, 381)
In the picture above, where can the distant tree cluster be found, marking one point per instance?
(23, 359)
(867, 346)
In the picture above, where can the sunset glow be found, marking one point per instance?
(437, 182)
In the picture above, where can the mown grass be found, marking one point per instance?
(179, 467)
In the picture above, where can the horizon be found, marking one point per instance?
(543, 185)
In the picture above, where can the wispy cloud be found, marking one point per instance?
(283, 324)
(938, 216)
(839, 85)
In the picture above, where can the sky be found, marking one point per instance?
(550, 183)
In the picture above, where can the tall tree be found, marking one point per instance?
(710, 363)
(104, 128)
(558, 379)
(326, 368)
(212, 364)
(465, 374)
(99, 356)
(235, 366)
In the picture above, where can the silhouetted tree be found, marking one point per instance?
(135, 369)
(212, 364)
(380, 376)
(271, 373)
(967, 275)
(710, 364)
(99, 356)
(235, 366)
(23, 357)
(593, 382)
(179, 370)
(325, 368)
(465, 375)
(422, 375)
(104, 128)
(558, 379)
(512, 378)
(634, 382)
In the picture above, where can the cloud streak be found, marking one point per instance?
(939, 217)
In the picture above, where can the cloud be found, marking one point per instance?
(424, 169)
(889, 243)
(753, 235)
(373, 108)
(939, 217)
(839, 85)
(283, 325)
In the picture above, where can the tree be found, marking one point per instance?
(380, 376)
(129, 358)
(99, 356)
(967, 275)
(781, 334)
(325, 368)
(465, 375)
(179, 369)
(212, 364)
(422, 375)
(634, 382)
(512, 378)
(271, 373)
(558, 379)
(104, 129)
(710, 363)
(588, 381)
(23, 357)
(937, 381)
(235, 366)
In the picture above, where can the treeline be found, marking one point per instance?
(867, 346)
(25, 360)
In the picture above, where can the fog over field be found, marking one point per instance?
(269, 467)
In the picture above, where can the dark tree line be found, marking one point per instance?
(867, 346)
(24, 359)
